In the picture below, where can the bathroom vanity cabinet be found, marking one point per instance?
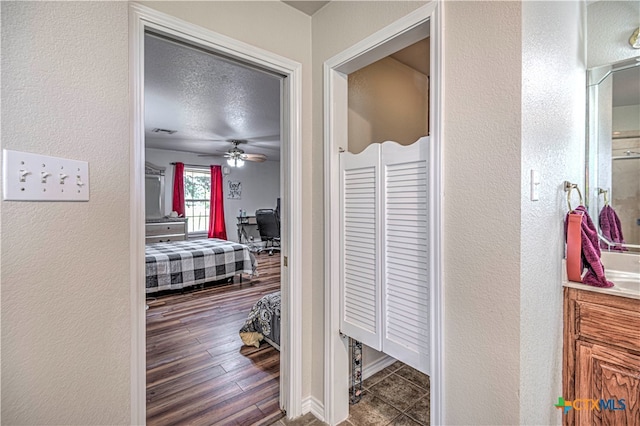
(601, 358)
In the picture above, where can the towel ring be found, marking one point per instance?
(606, 195)
(568, 186)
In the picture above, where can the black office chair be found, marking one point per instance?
(269, 230)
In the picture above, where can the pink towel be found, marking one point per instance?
(590, 251)
(611, 229)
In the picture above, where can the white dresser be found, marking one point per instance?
(164, 230)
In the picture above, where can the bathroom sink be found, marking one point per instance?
(626, 282)
(622, 269)
(621, 262)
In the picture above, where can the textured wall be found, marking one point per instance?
(260, 184)
(609, 26)
(553, 136)
(65, 266)
(482, 119)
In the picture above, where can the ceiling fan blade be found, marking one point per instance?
(254, 157)
(211, 155)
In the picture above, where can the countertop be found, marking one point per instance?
(622, 269)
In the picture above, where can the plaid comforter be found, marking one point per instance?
(180, 264)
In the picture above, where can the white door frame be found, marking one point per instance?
(390, 39)
(142, 18)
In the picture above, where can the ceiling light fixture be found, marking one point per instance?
(634, 41)
(236, 157)
(235, 161)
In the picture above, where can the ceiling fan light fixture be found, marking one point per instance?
(235, 162)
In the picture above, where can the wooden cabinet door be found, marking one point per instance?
(608, 374)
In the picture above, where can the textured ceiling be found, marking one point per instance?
(208, 100)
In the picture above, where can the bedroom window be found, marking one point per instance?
(197, 196)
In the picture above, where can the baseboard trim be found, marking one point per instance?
(314, 406)
(378, 365)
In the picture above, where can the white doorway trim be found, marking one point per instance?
(390, 39)
(142, 18)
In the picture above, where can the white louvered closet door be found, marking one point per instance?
(360, 304)
(405, 301)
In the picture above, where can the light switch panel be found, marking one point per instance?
(535, 185)
(35, 177)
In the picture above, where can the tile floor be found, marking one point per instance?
(398, 395)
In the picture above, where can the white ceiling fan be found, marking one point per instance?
(236, 156)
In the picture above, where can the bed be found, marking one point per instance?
(263, 322)
(182, 264)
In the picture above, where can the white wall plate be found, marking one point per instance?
(35, 177)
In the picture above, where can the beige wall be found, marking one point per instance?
(65, 266)
(553, 137)
(482, 87)
(482, 154)
(388, 101)
(496, 277)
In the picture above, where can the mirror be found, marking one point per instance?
(613, 175)
(154, 191)
(613, 122)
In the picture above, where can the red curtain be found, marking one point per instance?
(217, 227)
(178, 189)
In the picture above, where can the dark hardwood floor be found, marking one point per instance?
(198, 371)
